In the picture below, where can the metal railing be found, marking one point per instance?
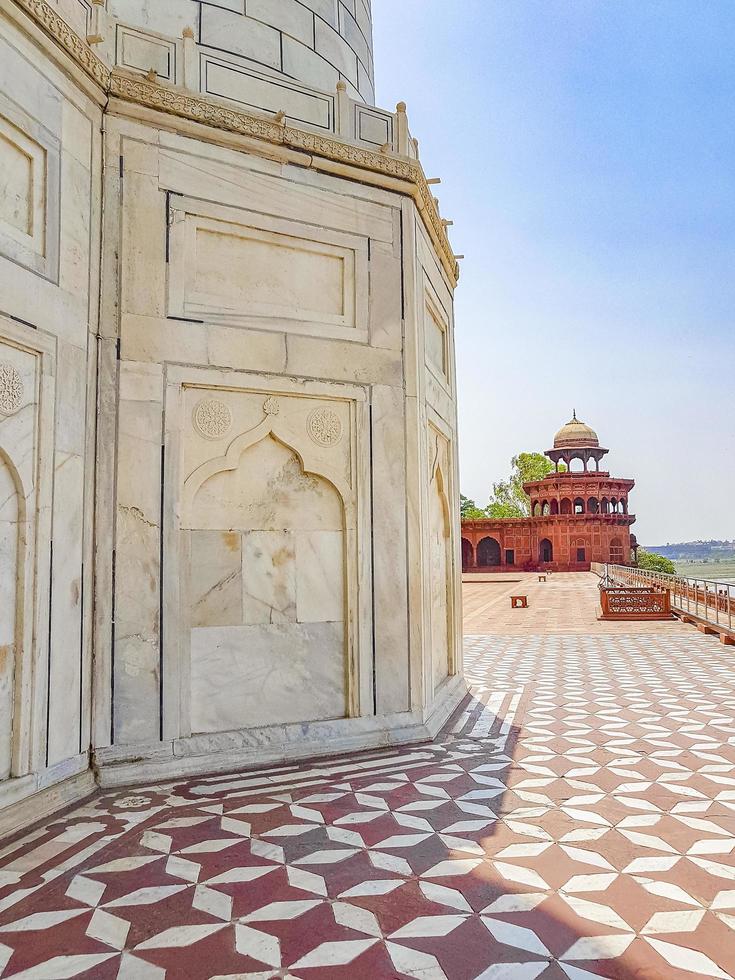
(706, 599)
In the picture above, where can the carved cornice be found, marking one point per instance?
(187, 105)
(57, 28)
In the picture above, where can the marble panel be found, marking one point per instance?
(143, 52)
(289, 16)
(351, 32)
(247, 676)
(320, 576)
(20, 162)
(66, 608)
(268, 577)
(439, 563)
(301, 62)
(215, 577)
(243, 268)
(373, 127)
(29, 189)
(238, 268)
(391, 571)
(242, 35)
(137, 569)
(168, 17)
(266, 94)
(326, 9)
(336, 50)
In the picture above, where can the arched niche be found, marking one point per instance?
(267, 583)
(579, 505)
(566, 506)
(554, 508)
(467, 553)
(545, 551)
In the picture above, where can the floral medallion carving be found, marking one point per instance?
(11, 389)
(212, 418)
(324, 427)
(271, 406)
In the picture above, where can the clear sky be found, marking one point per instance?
(587, 156)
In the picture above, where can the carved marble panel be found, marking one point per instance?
(241, 268)
(268, 557)
(256, 90)
(29, 191)
(142, 51)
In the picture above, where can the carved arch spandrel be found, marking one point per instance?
(230, 460)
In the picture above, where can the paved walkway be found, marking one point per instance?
(565, 603)
(576, 820)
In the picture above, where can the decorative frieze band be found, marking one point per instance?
(184, 104)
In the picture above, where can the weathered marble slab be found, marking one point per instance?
(246, 676)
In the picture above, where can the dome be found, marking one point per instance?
(575, 435)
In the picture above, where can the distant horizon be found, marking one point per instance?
(589, 169)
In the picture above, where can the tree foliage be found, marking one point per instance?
(508, 498)
(469, 509)
(654, 562)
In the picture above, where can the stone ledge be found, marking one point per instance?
(135, 765)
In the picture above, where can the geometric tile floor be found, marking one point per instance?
(575, 820)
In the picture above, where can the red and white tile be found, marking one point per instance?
(576, 819)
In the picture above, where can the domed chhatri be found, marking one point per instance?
(576, 435)
(576, 440)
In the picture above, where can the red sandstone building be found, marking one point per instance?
(577, 517)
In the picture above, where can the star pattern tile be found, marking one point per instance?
(575, 819)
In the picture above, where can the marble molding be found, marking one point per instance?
(227, 409)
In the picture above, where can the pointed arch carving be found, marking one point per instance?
(230, 460)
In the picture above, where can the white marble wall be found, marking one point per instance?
(284, 546)
(50, 154)
(234, 445)
(316, 42)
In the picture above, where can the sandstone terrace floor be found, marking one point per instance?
(576, 819)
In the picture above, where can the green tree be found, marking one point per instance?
(656, 563)
(508, 498)
(469, 509)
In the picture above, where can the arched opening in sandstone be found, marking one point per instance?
(488, 553)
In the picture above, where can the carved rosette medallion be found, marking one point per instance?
(271, 406)
(212, 418)
(324, 427)
(11, 389)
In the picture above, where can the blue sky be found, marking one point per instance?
(587, 156)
